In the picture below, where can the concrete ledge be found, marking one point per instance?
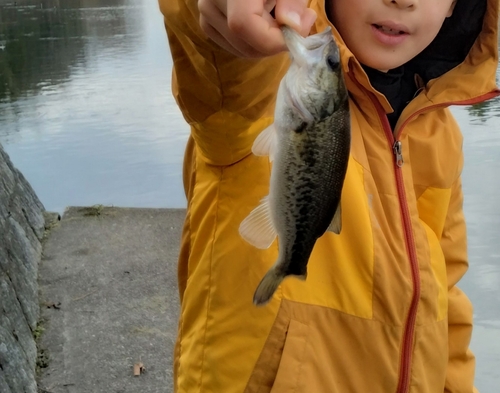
(108, 285)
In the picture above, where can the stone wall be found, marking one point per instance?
(21, 231)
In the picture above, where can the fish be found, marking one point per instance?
(308, 145)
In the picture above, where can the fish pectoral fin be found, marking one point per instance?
(258, 228)
(336, 224)
(265, 143)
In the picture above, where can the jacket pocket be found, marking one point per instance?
(278, 368)
(289, 370)
(279, 365)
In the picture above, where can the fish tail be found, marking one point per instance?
(267, 287)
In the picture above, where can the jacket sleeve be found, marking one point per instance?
(461, 364)
(227, 100)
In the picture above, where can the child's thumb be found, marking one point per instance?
(295, 14)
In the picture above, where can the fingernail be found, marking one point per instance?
(293, 18)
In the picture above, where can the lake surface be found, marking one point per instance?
(86, 111)
(86, 114)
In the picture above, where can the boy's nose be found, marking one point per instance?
(401, 3)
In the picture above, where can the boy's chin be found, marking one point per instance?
(382, 65)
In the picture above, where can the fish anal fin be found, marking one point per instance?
(258, 228)
(336, 224)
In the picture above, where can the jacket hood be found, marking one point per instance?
(459, 66)
(453, 42)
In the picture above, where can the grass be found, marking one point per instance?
(92, 211)
(42, 357)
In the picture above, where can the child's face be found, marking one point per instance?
(385, 34)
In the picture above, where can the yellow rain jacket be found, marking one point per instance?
(380, 311)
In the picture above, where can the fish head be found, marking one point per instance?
(313, 87)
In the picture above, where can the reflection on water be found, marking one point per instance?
(86, 111)
(480, 113)
(43, 40)
(87, 115)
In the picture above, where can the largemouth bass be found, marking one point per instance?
(309, 145)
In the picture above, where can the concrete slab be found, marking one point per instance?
(109, 295)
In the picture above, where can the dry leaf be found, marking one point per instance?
(138, 369)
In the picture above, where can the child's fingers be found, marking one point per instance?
(215, 25)
(246, 27)
(243, 27)
(251, 20)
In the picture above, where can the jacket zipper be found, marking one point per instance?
(396, 147)
(407, 345)
(407, 342)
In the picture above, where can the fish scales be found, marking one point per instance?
(309, 144)
(311, 176)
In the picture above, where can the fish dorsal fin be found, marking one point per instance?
(265, 143)
(336, 224)
(258, 228)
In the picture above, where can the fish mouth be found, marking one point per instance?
(306, 49)
(391, 28)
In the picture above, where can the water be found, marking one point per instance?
(86, 111)
(481, 184)
(86, 114)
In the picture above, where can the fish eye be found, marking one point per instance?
(332, 62)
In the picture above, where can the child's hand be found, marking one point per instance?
(246, 27)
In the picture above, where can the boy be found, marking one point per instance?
(380, 311)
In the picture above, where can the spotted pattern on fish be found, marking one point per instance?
(309, 187)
